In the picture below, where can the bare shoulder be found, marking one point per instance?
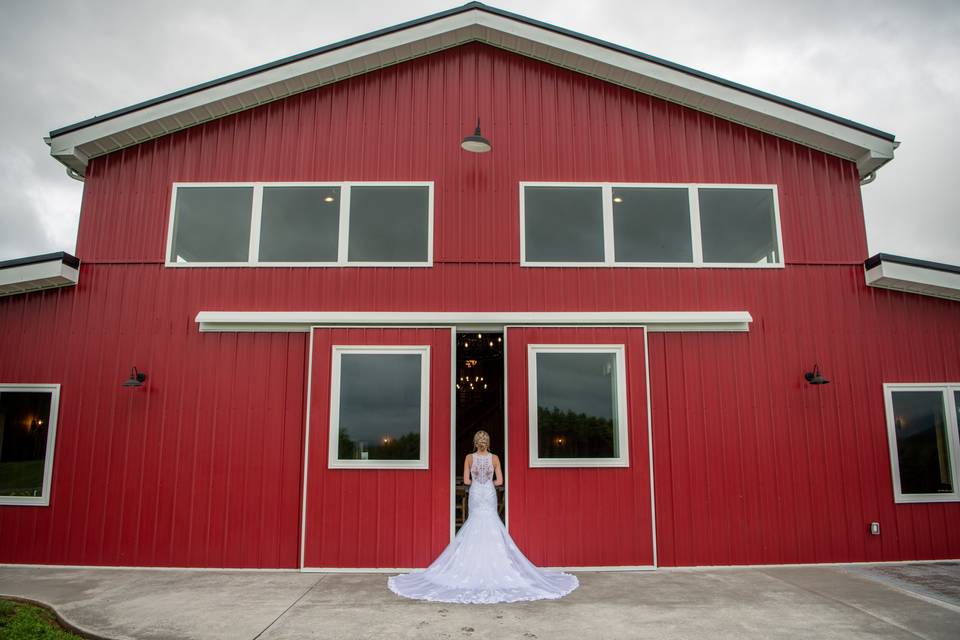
(496, 459)
(469, 458)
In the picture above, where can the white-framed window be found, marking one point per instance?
(924, 443)
(300, 224)
(577, 405)
(602, 224)
(380, 407)
(28, 433)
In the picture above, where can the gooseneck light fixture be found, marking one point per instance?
(136, 378)
(815, 377)
(476, 143)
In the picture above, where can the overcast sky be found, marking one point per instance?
(893, 65)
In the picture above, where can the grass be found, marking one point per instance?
(21, 621)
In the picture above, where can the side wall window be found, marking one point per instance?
(923, 435)
(578, 406)
(28, 431)
(301, 224)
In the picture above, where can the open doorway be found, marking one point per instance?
(479, 406)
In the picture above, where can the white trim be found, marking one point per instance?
(619, 353)
(49, 274)
(868, 150)
(143, 567)
(43, 500)
(343, 230)
(693, 190)
(452, 516)
(302, 321)
(946, 391)
(653, 506)
(306, 451)
(333, 461)
(914, 279)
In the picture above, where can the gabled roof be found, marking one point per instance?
(76, 144)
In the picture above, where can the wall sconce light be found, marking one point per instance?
(476, 143)
(815, 377)
(136, 378)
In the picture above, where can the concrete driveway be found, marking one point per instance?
(881, 601)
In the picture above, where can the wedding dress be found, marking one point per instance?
(482, 564)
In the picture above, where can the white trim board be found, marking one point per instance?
(37, 276)
(914, 279)
(302, 321)
(75, 146)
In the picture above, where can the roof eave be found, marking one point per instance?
(74, 146)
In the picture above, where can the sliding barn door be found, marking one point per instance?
(378, 458)
(579, 458)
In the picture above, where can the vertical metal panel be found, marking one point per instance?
(203, 467)
(580, 516)
(393, 518)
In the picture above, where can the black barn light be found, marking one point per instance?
(476, 143)
(136, 378)
(815, 377)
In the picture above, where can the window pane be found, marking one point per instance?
(300, 224)
(738, 225)
(577, 405)
(379, 406)
(24, 418)
(212, 224)
(652, 225)
(389, 224)
(923, 451)
(563, 224)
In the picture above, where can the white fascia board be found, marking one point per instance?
(37, 276)
(302, 321)
(914, 279)
(868, 151)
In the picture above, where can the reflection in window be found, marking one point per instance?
(388, 224)
(651, 225)
(300, 224)
(922, 436)
(563, 224)
(24, 430)
(379, 411)
(738, 226)
(212, 224)
(577, 405)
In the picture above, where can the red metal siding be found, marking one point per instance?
(203, 467)
(580, 516)
(378, 517)
(198, 468)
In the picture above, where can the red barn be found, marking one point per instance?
(296, 296)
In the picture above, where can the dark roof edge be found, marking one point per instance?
(875, 260)
(467, 7)
(62, 256)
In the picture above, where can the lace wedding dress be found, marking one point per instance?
(482, 564)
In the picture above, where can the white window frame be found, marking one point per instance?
(619, 352)
(333, 461)
(256, 216)
(946, 389)
(609, 258)
(43, 500)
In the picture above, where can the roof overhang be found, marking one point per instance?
(913, 276)
(35, 273)
(302, 321)
(77, 144)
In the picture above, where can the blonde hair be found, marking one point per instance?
(481, 437)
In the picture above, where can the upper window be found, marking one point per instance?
(28, 429)
(922, 428)
(301, 224)
(649, 225)
(578, 406)
(379, 407)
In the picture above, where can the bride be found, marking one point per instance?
(482, 564)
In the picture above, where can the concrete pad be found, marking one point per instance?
(776, 602)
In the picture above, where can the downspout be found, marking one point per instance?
(76, 175)
(867, 179)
